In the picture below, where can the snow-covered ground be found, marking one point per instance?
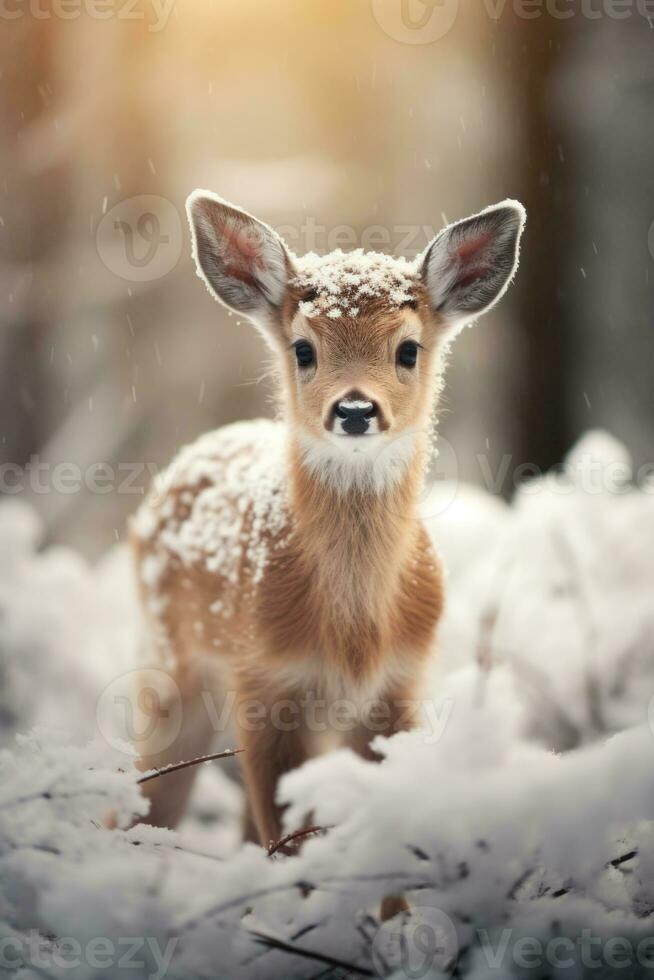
(520, 819)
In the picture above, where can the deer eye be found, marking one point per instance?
(407, 354)
(304, 354)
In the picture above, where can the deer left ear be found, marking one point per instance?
(468, 267)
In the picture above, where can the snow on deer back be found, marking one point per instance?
(205, 534)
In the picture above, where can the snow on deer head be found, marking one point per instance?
(359, 337)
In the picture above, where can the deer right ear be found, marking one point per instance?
(244, 263)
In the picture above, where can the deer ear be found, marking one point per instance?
(244, 263)
(469, 265)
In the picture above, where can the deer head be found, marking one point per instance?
(359, 338)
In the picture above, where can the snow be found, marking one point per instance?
(344, 281)
(527, 815)
(229, 484)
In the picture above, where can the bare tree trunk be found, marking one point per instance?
(32, 213)
(533, 51)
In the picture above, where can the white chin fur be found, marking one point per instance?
(367, 462)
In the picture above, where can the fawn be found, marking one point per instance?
(284, 561)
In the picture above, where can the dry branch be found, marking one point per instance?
(297, 835)
(176, 766)
(272, 943)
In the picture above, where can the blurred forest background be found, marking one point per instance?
(314, 114)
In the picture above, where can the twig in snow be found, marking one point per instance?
(617, 862)
(579, 591)
(331, 961)
(373, 924)
(407, 881)
(176, 766)
(487, 627)
(518, 883)
(304, 931)
(277, 845)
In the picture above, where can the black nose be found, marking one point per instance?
(355, 415)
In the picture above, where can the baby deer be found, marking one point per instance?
(282, 564)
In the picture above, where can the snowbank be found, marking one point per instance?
(520, 819)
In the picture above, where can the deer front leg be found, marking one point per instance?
(395, 712)
(273, 735)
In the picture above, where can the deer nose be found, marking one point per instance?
(355, 414)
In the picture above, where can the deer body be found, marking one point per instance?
(299, 596)
(284, 562)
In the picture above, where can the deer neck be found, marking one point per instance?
(356, 541)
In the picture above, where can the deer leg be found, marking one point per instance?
(273, 744)
(250, 832)
(173, 725)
